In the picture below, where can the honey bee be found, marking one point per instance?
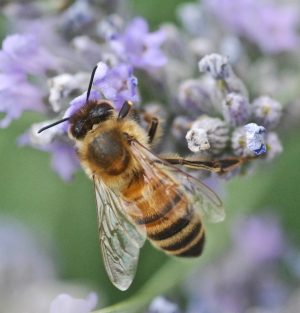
(140, 195)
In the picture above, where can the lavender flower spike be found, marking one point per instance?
(255, 138)
(64, 303)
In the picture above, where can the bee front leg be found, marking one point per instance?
(125, 109)
(152, 129)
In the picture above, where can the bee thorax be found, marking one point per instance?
(107, 151)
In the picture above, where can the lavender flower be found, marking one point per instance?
(216, 65)
(117, 83)
(24, 54)
(255, 138)
(219, 68)
(248, 140)
(246, 276)
(17, 96)
(274, 145)
(264, 237)
(274, 30)
(195, 96)
(208, 133)
(267, 111)
(235, 109)
(192, 17)
(64, 160)
(138, 47)
(197, 139)
(20, 56)
(66, 304)
(63, 87)
(162, 305)
(180, 126)
(78, 16)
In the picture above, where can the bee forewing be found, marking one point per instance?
(119, 239)
(205, 200)
(202, 198)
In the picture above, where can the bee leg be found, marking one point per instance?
(152, 129)
(125, 109)
(218, 166)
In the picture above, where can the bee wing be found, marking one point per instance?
(119, 238)
(201, 197)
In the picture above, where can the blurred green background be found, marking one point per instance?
(65, 213)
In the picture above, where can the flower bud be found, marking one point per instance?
(255, 138)
(209, 134)
(235, 109)
(194, 96)
(220, 70)
(65, 87)
(180, 126)
(248, 140)
(216, 65)
(197, 139)
(274, 145)
(267, 111)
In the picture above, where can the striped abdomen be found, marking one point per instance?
(171, 223)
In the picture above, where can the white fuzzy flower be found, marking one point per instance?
(197, 139)
(255, 138)
(208, 133)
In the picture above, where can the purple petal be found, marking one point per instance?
(24, 53)
(137, 27)
(155, 39)
(138, 47)
(154, 58)
(64, 160)
(274, 29)
(101, 72)
(20, 97)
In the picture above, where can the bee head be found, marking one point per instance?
(92, 113)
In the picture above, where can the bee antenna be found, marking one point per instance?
(87, 99)
(91, 83)
(53, 124)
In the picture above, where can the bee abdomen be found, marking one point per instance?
(183, 238)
